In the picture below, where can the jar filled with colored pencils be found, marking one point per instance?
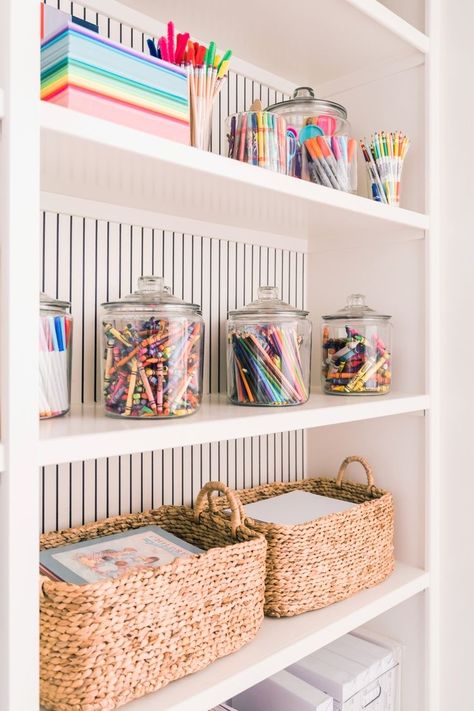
(357, 346)
(268, 352)
(55, 342)
(153, 353)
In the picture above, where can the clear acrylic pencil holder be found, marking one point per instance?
(201, 129)
(382, 191)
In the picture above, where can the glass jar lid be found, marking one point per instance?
(267, 304)
(356, 308)
(51, 304)
(304, 101)
(151, 295)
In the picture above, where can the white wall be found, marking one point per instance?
(457, 471)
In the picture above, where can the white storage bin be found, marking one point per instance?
(283, 692)
(357, 673)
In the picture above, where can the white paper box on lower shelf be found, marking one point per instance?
(355, 672)
(282, 692)
(398, 651)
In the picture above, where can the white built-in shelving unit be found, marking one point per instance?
(90, 205)
(87, 434)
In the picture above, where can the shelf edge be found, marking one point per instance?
(393, 22)
(133, 437)
(114, 136)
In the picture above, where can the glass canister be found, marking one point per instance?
(320, 146)
(268, 352)
(258, 138)
(55, 342)
(357, 345)
(153, 353)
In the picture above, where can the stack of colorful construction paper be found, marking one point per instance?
(89, 73)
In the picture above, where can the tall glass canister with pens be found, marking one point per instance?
(324, 150)
(55, 343)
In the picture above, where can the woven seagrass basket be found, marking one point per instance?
(106, 643)
(315, 564)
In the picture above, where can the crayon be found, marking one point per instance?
(355, 364)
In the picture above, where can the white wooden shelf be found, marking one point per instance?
(86, 433)
(97, 160)
(281, 643)
(335, 38)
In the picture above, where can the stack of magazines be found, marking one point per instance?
(113, 556)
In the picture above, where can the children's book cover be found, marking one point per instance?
(113, 556)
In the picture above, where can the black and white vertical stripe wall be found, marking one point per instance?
(88, 261)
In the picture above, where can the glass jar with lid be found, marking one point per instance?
(268, 352)
(357, 346)
(55, 343)
(153, 353)
(320, 146)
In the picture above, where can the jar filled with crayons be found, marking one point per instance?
(319, 143)
(357, 347)
(55, 336)
(153, 353)
(268, 352)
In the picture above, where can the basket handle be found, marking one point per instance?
(237, 514)
(365, 464)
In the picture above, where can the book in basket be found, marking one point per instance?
(113, 556)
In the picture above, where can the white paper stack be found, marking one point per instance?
(295, 508)
(355, 672)
(282, 692)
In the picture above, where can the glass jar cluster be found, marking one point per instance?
(153, 353)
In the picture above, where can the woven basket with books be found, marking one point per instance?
(106, 642)
(313, 564)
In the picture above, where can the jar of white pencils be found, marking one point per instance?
(55, 341)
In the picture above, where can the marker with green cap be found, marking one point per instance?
(210, 54)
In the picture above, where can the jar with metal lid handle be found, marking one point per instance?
(153, 353)
(356, 350)
(268, 352)
(319, 140)
(55, 343)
